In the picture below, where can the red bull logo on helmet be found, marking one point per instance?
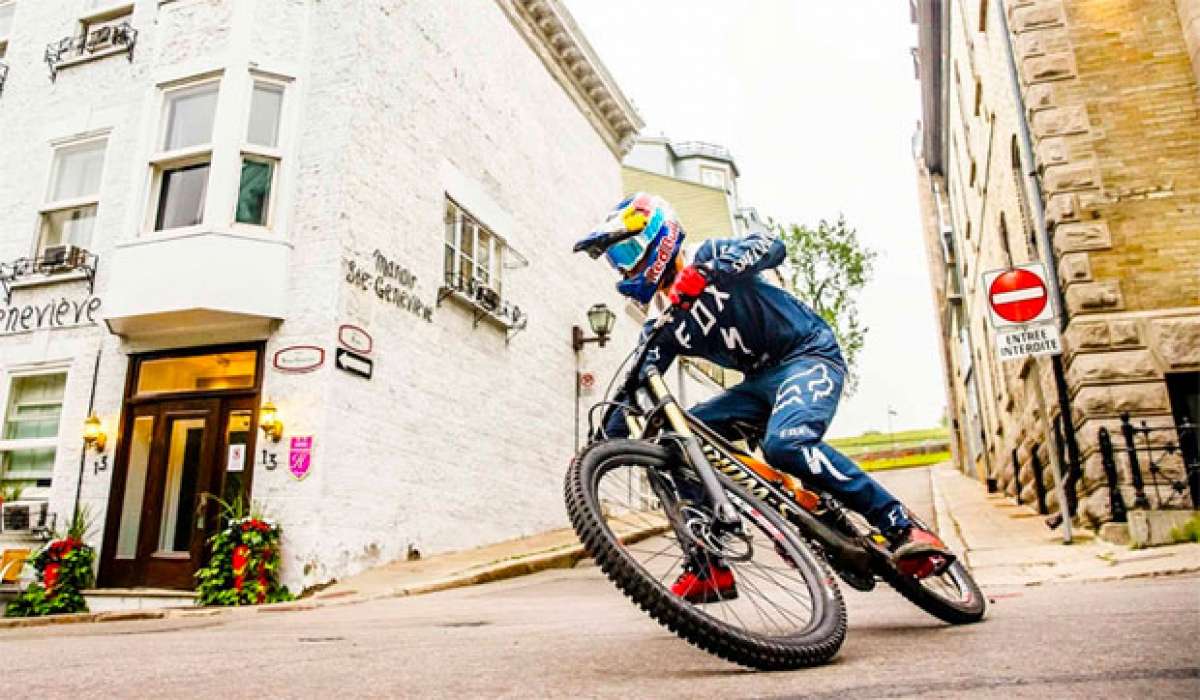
(665, 250)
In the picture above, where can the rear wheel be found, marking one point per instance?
(953, 596)
(623, 503)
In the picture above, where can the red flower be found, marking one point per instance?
(241, 557)
(50, 576)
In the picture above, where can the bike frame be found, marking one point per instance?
(659, 417)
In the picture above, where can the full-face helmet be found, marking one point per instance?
(640, 238)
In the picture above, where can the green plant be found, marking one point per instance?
(12, 492)
(828, 267)
(1187, 532)
(243, 567)
(64, 570)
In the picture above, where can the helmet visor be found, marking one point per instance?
(626, 254)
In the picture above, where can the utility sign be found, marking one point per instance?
(1015, 343)
(354, 364)
(1018, 295)
(1022, 314)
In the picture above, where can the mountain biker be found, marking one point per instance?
(791, 360)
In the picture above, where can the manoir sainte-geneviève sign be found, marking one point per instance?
(56, 313)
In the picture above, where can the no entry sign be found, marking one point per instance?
(1022, 313)
(1018, 295)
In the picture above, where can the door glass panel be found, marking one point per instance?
(179, 492)
(135, 486)
(237, 455)
(227, 370)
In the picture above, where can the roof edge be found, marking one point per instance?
(554, 36)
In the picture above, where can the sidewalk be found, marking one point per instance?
(1007, 544)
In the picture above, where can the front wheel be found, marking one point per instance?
(623, 499)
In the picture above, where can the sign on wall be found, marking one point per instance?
(354, 338)
(300, 456)
(390, 281)
(1022, 312)
(56, 313)
(298, 358)
(354, 364)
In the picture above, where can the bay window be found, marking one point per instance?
(260, 155)
(69, 214)
(181, 167)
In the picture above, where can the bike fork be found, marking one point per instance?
(726, 514)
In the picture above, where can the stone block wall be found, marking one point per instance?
(1110, 94)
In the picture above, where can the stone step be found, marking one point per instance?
(110, 599)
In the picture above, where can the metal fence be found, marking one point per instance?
(1170, 458)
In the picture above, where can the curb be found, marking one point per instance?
(946, 525)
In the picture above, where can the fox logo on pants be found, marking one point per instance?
(815, 380)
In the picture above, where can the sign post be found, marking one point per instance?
(1026, 326)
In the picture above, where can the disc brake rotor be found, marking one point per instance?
(733, 545)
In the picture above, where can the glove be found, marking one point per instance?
(689, 284)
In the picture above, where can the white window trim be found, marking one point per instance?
(254, 151)
(496, 249)
(109, 11)
(10, 377)
(4, 38)
(52, 206)
(162, 159)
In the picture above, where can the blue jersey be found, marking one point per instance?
(741, 321)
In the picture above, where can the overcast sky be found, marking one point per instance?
(818, 104)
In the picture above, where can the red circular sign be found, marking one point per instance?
(1018, 296)
(587, 380)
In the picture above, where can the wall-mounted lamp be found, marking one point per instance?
(601, 319)
(268, 420)
(93, 433)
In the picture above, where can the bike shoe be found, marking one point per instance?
(920, 553)
(705, 584)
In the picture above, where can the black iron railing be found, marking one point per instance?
(1153, 448)
(3, 75)
(55, 260)
(113, 38)
(486, 302)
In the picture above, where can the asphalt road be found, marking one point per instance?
(569, 633)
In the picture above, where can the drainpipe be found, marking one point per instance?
(83, 454)
(1034, 188)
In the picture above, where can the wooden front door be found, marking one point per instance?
(170, 450)
(177, 447)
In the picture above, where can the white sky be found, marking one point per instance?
(818, 103)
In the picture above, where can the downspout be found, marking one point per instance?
(1034, 188)
(83, 453)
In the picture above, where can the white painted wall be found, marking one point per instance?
(460, 438)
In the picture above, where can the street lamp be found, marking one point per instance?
(601, 319)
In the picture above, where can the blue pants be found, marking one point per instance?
(796, 401)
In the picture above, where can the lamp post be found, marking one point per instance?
(601, 319)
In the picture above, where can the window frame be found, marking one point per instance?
(5, 38)
(496, 250)
(272, 155)
(20, 444)
(54, 206)
(163, 160)
(708, 169)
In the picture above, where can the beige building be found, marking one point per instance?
(1063, 131)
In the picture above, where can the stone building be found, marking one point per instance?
(1107, 92)
(359, 215)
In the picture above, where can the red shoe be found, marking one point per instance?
(919, 553)
(705, 585)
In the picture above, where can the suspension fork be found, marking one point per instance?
(726, 514)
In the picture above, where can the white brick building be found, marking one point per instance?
(208, 183)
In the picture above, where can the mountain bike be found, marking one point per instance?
(675, 493)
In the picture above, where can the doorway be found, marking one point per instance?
(187, 434)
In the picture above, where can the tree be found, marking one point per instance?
(827, 267)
